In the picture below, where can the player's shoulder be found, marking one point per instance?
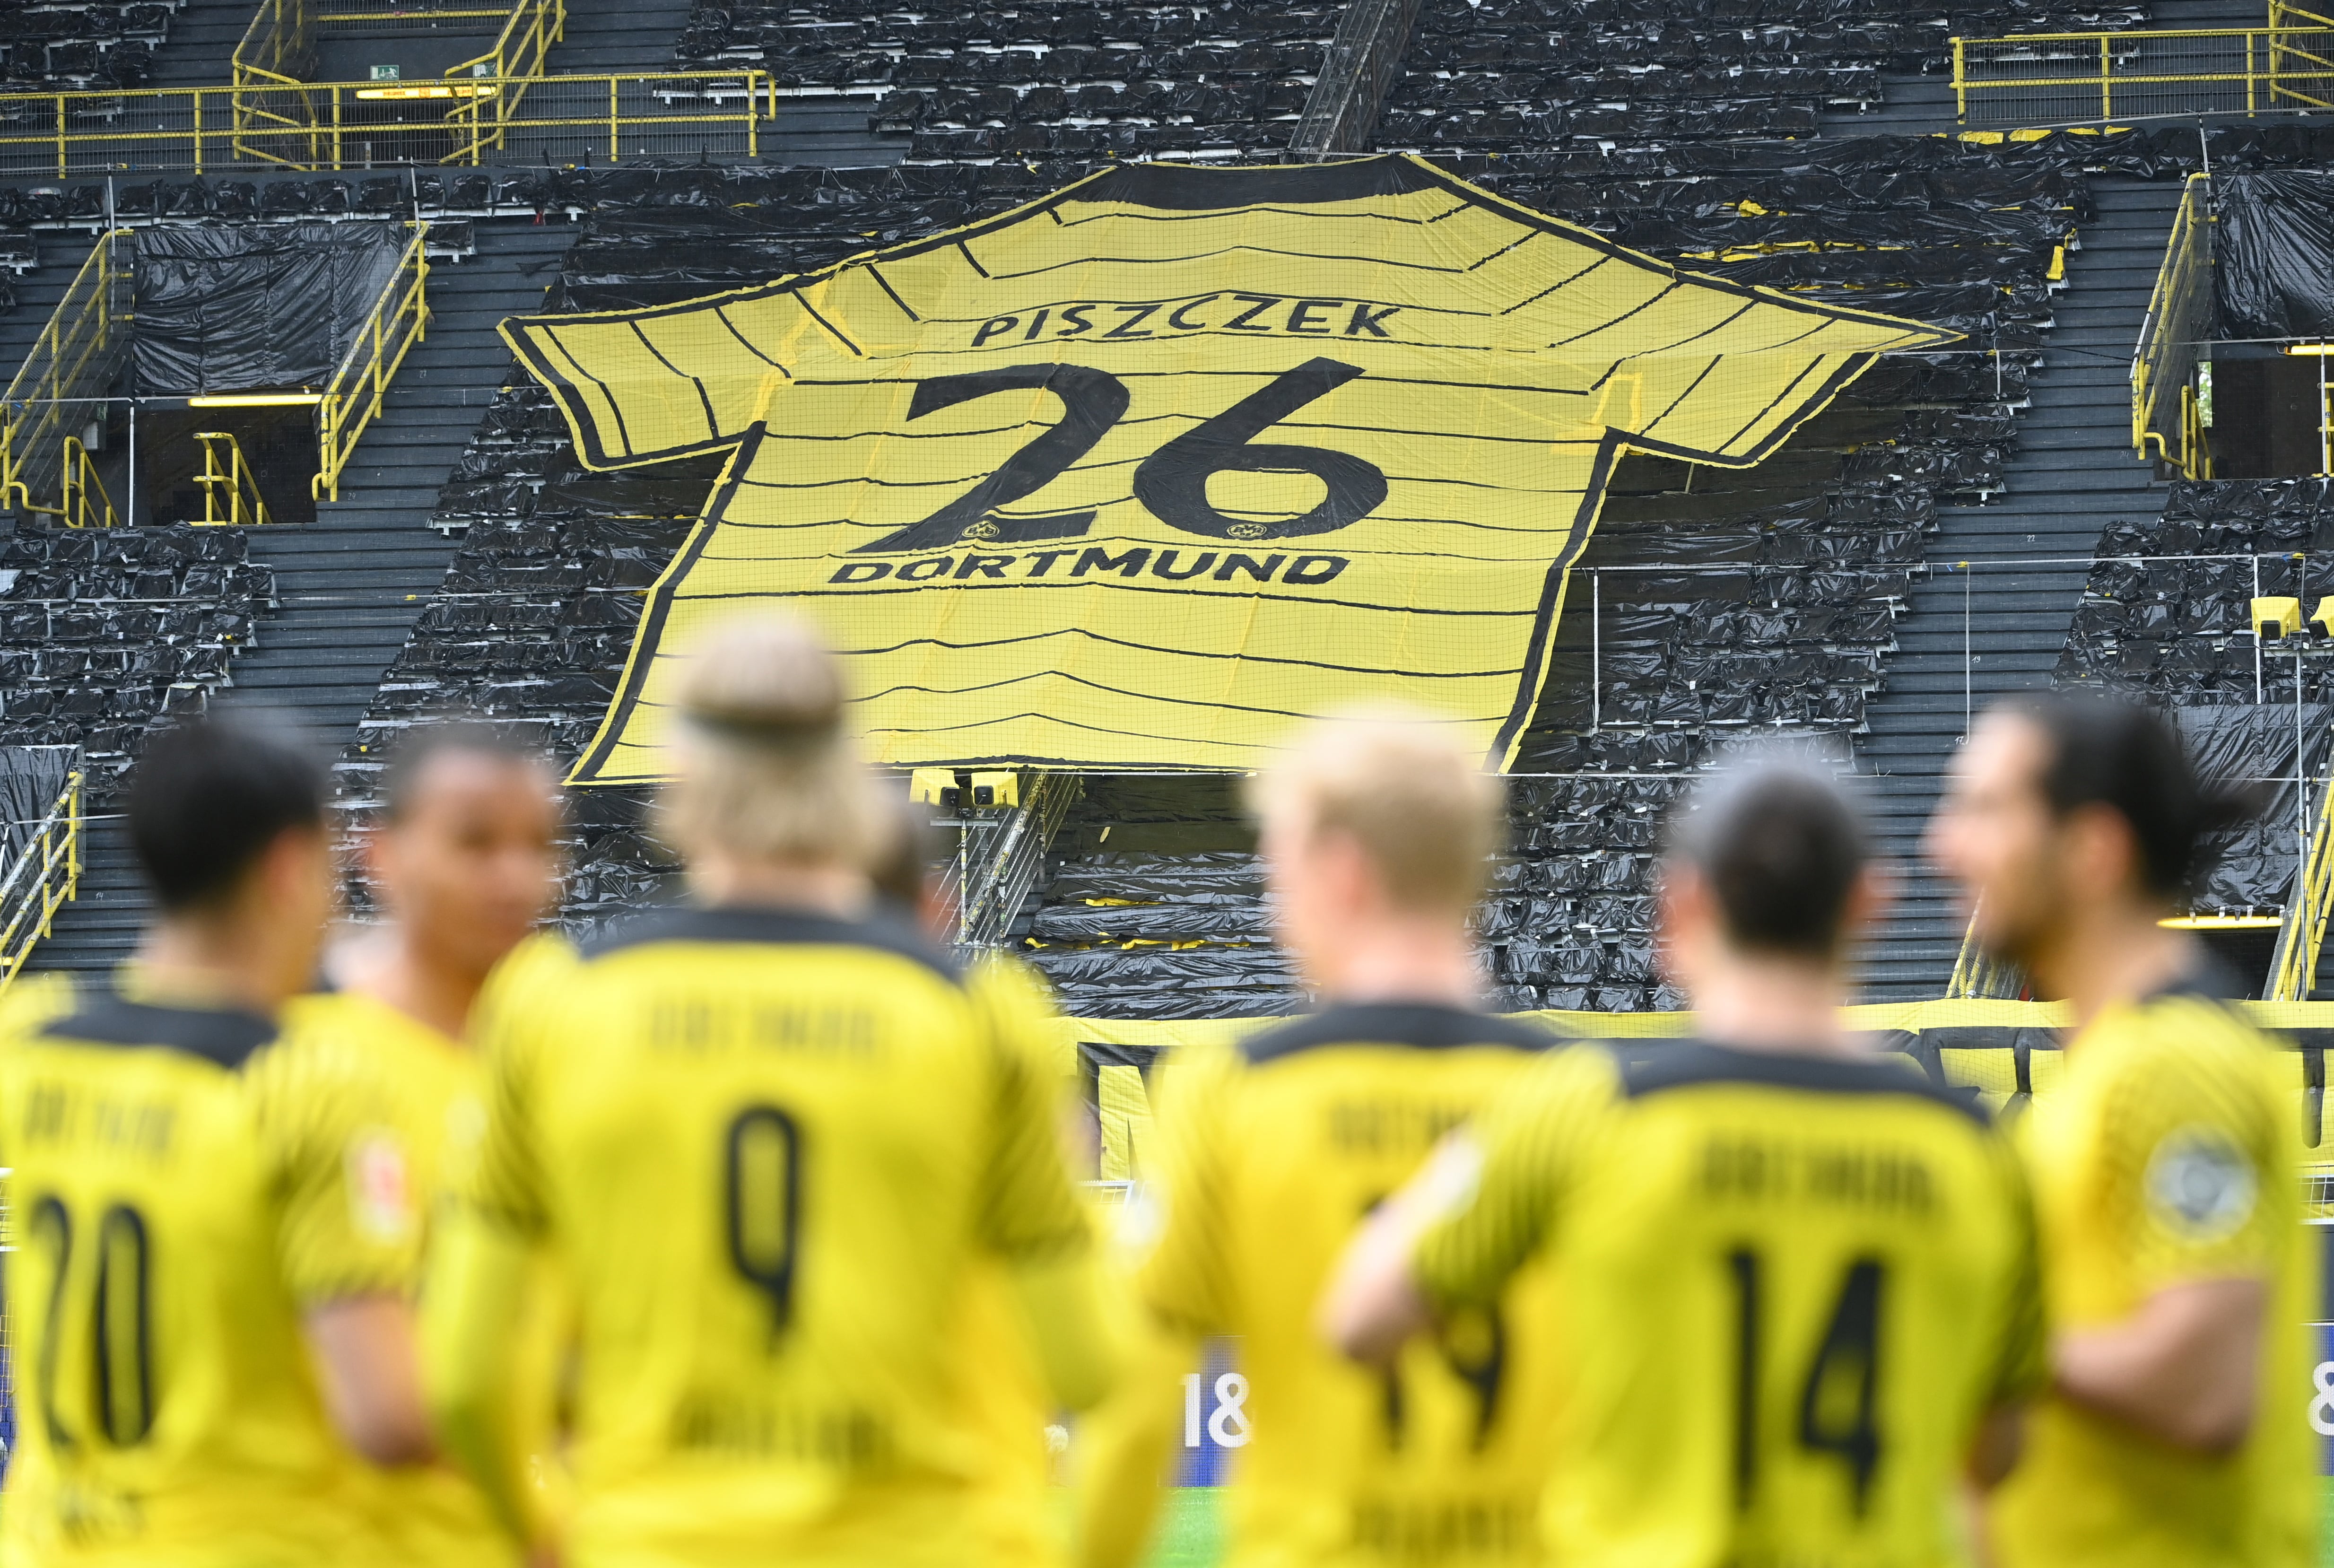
(878, 934)
(1395, 1026)
(2189, 1021)
(31, 1000)
(1648, 1071)
(228, 1038)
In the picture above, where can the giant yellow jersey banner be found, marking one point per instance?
(1138, 474)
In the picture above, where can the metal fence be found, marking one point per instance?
(2166, 423)
(46, 874)
(279, 48)
(61, 385)
(1365, 55)
(354, 395)
(2040, 79)
(338, 127)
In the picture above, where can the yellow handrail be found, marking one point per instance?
(232, 489)
(354, 395)
(28, 906)
(74, 362)
(2163, 363)
(524, 44)
(2094, 78)
(1977, 973)
(269, 121)
(2294, 970)
(81, 478)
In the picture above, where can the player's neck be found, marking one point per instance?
(722, 881)
(2108, 956)
(210, 961)
(420, 984)
(1781, 1007)
(1400, 961)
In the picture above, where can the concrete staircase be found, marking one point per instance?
(351, 584)
(2004, 579)
(200, 48)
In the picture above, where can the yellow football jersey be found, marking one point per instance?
(2168, 1154)
(1792, 1287)
(436, 1105)
(1271, 1152)
(765, 1148)
(1136, 473)
(183, 1188)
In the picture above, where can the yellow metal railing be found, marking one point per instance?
(1977, 973)
(230, 490)
(325, 127)
(2294, 970)
(81, 481)
(524, 45)
(74, 365)
(354, 394)
(46, 875)
(2037, 79)
(2166, 423)
(278, 48)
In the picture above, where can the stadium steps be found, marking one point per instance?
(830, 131)
(200, 50)
(351, 584)
(603, 36)
(2070, 477)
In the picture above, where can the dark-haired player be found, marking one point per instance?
(1377, 835)
(466, 860)
(2165, 1165)
(214, 1241)
(1799, 1284)
(765, 1138)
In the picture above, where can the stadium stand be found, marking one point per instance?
(82, 46)
(1821, 593)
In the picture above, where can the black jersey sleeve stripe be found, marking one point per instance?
(226, 1036)
(713, 430)
(1420, 1026)
(884, 283)
(1697, 1063)
(772, 927)
(722, 314)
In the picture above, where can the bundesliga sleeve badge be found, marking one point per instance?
(1141, 474)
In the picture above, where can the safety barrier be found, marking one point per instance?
(2293, 971)
(2038, 79)
(340, 127)
(230, 491)
(73, 364)
(81, 481)
(279, 48)
(997, 859)
(354, 394)
(46, 874)
(1979, 974)
(2166, 420)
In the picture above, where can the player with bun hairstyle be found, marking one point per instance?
(766, 1138)
(2165, 1162)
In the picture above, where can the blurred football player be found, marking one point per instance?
(2165, 1163)
(217, 1239)
(778, 1130)
(465, 862)
(1799, 1295)
(1377, 836)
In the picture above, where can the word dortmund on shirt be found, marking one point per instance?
(1303, 572)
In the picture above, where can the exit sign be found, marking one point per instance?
(385, 72)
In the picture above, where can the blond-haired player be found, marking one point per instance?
(1377, 835)
(778, 1130)
(466, 860)
(2166, 1164)
(1799, 1298)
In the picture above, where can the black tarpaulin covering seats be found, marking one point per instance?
(2274, 254)
(103, 632)
(31, 779)
(228, 308)
(2252, 747)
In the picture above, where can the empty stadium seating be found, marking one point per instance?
(103, 632)
(92, 45)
